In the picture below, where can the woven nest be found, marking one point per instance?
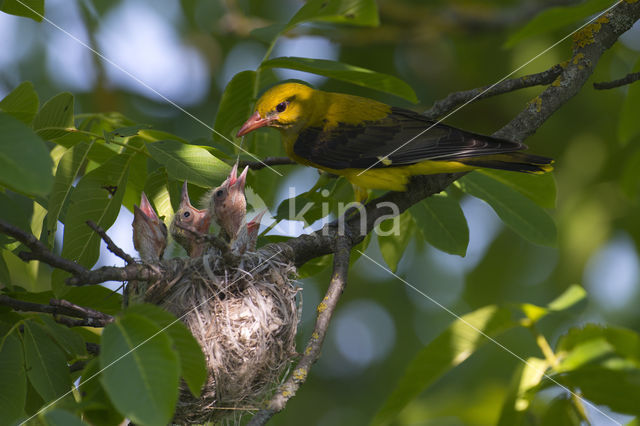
(245, 319)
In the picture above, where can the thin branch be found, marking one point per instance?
(628, 79)
(39, 251)
(73, 315)
(589, 44)
(454, 100)
(113, 248)
(326, 309)
(269, 161)
(136, 271)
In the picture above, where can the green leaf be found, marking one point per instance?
(235, 106)
(572, 296)
(517, 211)
(269, 33)
(140, 370)
(33, 9)
(393, 246)
(442, 223)
(59, 417)
(556, 18)
(567, 300)
(189, 162)
(561, 412)
(192, 362)
(518, 400)
(22, 103)
(25, 163)
(354, 12)
(628, 124)
(315, 266)
(69, 341)
(96, 297)
(96, 197)
(540, 188)
(459, 341)
(585, 353)
(45, 362)
(625, 342)
(67, 171)
(13, 392)
(344, 72)
(128, 131)
(630, 176)
(17, 210)
(55, 118)
(157, 190)
(616, 388)
(96, 405)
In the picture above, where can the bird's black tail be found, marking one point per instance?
(513, 161)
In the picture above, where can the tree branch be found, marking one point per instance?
(628, 79)
(136, 271)
(269, 161)
(454, 100)
(588, 46)
(113, 248)
(312, 351)
(39, 251)
(74, 315)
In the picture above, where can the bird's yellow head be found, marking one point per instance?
(287, 106)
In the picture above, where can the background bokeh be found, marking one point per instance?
(188, 51)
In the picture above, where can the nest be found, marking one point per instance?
(245, 319)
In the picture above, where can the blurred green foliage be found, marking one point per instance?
(394, 354)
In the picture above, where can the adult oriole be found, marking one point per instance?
(375, 145)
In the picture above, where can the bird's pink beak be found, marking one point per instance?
(241, 180)
(254, 122)
(184, 196)
(254, 224)
(146, 208)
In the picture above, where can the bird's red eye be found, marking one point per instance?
(281, 106)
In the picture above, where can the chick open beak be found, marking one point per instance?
(241, 180)
(254, 122)
(145, 207)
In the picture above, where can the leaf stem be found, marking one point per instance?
(552, 359)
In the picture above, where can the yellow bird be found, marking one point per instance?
(374, 145)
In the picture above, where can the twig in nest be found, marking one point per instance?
(628, 79)
(113, 248)
(216, 242)
(312, 351)
(73, 315)
(269, 161)
(455, 99)
(39, 251)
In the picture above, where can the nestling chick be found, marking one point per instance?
(248, 235)
(227, 203)
(189, 217)
(149, 232)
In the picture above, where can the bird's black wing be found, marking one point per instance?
(399, 139)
